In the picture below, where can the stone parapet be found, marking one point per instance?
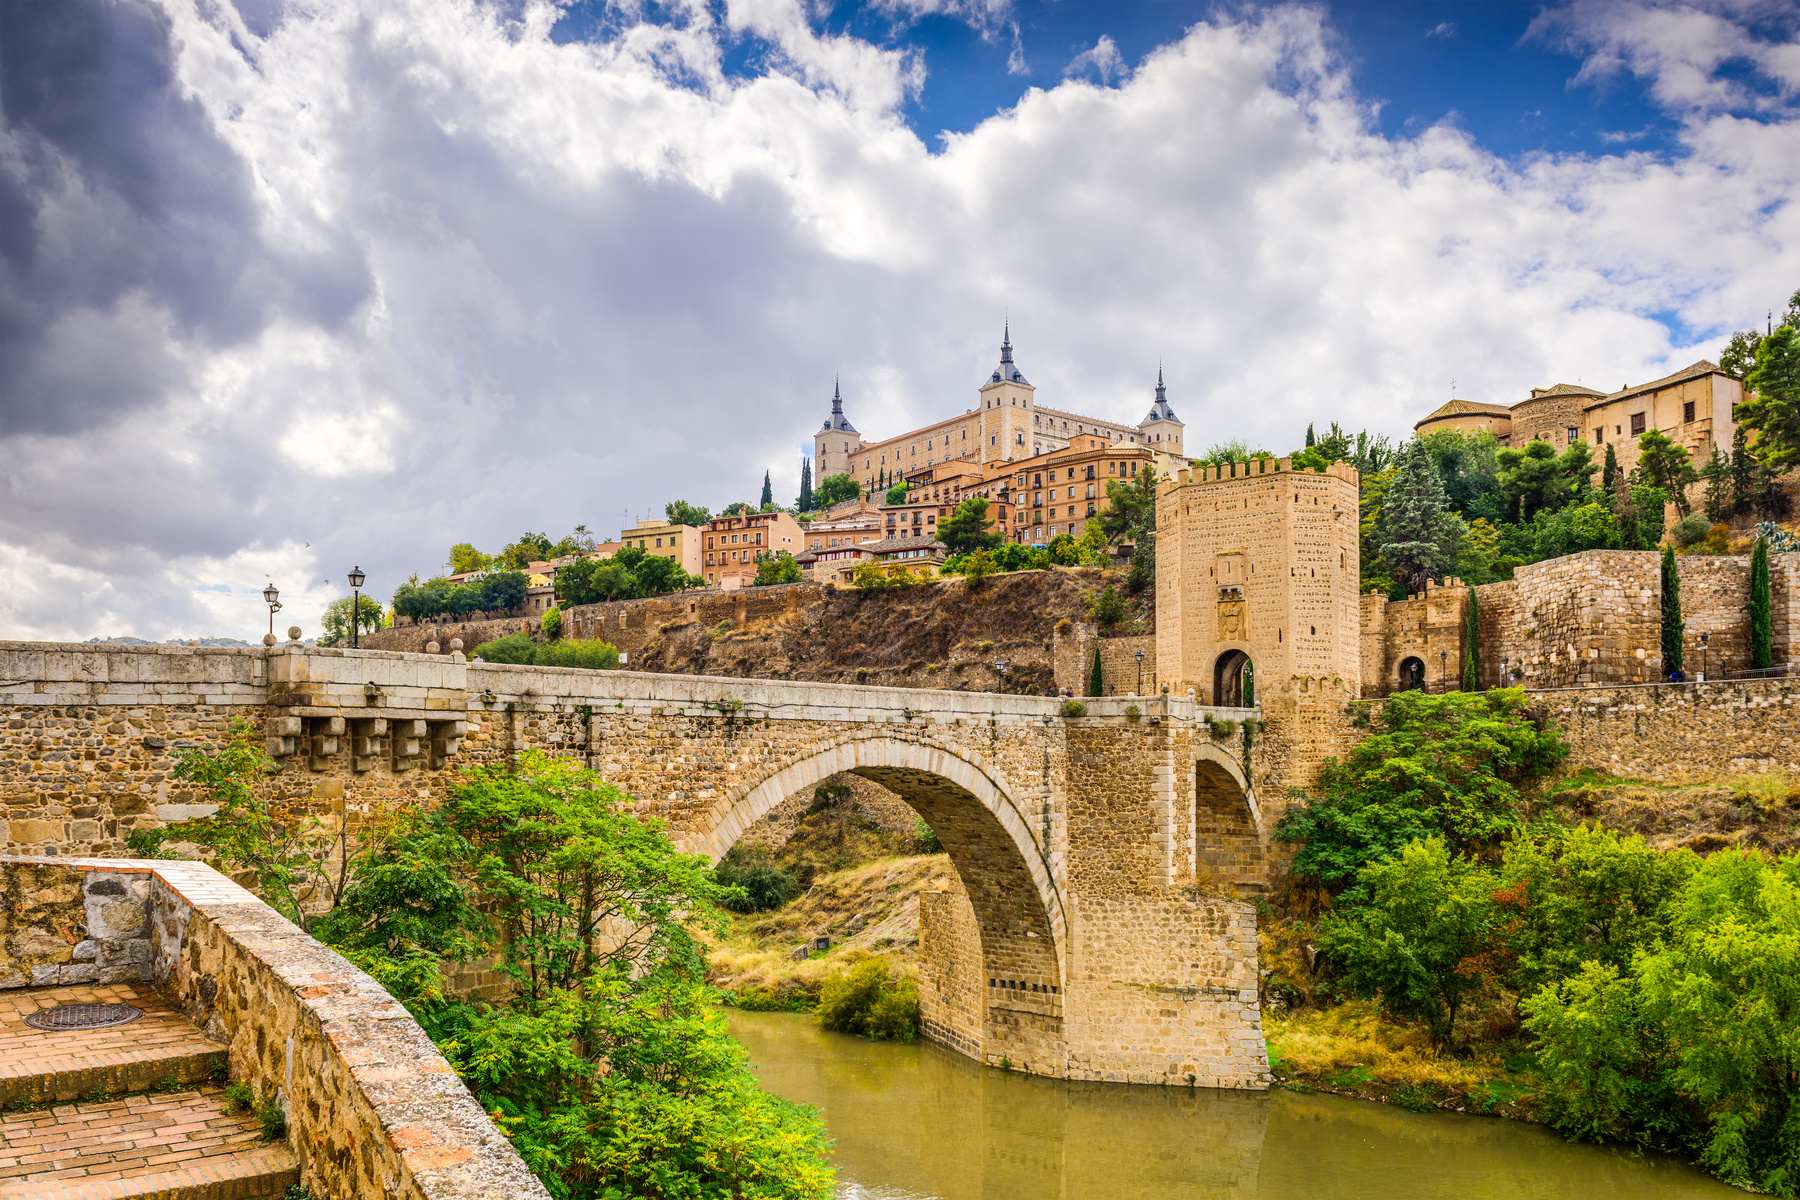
(1679, 732)
(372, 1108)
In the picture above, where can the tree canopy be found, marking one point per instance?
(680, 512)
(967, 529)
(835, 489)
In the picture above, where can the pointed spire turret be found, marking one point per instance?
(837, 422)
(1007, 372)
(1160, 410)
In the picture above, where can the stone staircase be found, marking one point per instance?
(126, 1111)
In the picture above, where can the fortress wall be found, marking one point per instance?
(1677, 733)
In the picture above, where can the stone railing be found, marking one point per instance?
(373, 1109)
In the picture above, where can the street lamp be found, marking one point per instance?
(1140, 686)
(356, 582)
(272, 598)
(1443, 667)
(1703, 638)
(1000, 672)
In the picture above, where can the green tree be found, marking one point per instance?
(835, 489)
(1537, 478)
(1726, 990)
(680, 512)
(1672, 623)
(1738, 358)
(778, 567)
(966, 529)
(1418, 939)
(896, 494)
(768, 494)
(579, 541)
(1773, 413)
(1309, 436)
(337, 618)
(1609, 473)
(1096, 685)
(1664, 464)
(1762, 623)
(1743, 471)
(1471, 658)
(1130, 512)
(1064, 550)
(465, 558)
(1418, 532)
(552, 624)
(530, 548)
(1716, 499)
(805, 501)
(1446, 766)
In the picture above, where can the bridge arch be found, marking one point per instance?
(1018, 911)
(1229, 847)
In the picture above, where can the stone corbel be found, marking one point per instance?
(327, 735)
(446, 740)
(368, 742)
(407, 743)
(280, 734)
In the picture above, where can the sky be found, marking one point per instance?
(291, 286)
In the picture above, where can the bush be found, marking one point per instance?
(516, 648)
(1074, 708)
(869, 1000)
(513, 648)
(1107, 607)
(1690, 529)
(763, 883)
(552, 623)
(925, 838)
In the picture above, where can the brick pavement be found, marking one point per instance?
(65, 1064)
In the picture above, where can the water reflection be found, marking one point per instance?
(921, 1123)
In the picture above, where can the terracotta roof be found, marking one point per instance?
(1695, 371)
(1460, 408)
(893, 545)
(1562, 389)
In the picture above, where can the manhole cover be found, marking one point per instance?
(83, 1016)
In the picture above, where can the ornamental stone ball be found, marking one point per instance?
(431, 647)
(268, 639)
(293, 633)
(456, 643)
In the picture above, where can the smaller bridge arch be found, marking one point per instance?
(1229, 850)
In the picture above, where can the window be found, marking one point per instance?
(659, 543)
(1687, 411)
(1600, 436)
(1637, 424)
(1574, 435)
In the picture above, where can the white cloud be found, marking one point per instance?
(1015, 58)
(1103, 59)
(496, 284)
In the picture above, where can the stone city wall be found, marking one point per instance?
(1679, 732)
(1592, 619)
(373, 1109)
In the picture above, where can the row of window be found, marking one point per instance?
(734, 538)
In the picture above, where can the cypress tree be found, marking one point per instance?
(1310, 440)
(1762, 624)
(1672, 624)
(768, 493)
(1471, 638)
(1095, 686)
(1743, 472)
(1609, 474)
(804, 504)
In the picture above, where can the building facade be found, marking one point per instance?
(732, 544)
(667, 540)
(1008, 426)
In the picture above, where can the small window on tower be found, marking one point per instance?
(1687, 411)
(1637, 424)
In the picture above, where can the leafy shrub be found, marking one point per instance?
(591, 653)
(1690, 529)
(552, 623)
(925, 838)
(1074, 708)
(1133, 713)
(513, 648)
(516, 648)
(869, 1000)
(1107, 607)
(763, 883)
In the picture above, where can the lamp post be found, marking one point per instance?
(356, 582)
(1000, 672)
(1140, 685)
(1443, 666)
(1505, 680)
(272, 598)
(1703, 638)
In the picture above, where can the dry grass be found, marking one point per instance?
(1353, 1041)
(756, 953)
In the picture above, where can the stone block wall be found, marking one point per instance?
(59, 926)
(373, 1109)
(1679, 733)
(952, 984)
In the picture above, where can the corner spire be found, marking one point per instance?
(1160, 410)
(837, 421)
(1006, 342)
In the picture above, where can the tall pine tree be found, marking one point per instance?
(1762, 622)
(1419, 534)
(1609, 474)
(768, 494)
(1471, 681)
(1743, 472)
(1095, 686)
(1310, 440)
(1672, 624)
(804, 504)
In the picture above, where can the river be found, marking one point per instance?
(921, 1123)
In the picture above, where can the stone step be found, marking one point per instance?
(171, 1146)
(155, 1050)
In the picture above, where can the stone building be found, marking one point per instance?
(732, 544)
(666, 539)
(1696, 407)
(1009, 425)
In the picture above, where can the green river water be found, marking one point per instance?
(913, 1122)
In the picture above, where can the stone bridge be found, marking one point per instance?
(1098, 932)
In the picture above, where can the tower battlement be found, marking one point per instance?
(1253, 468)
